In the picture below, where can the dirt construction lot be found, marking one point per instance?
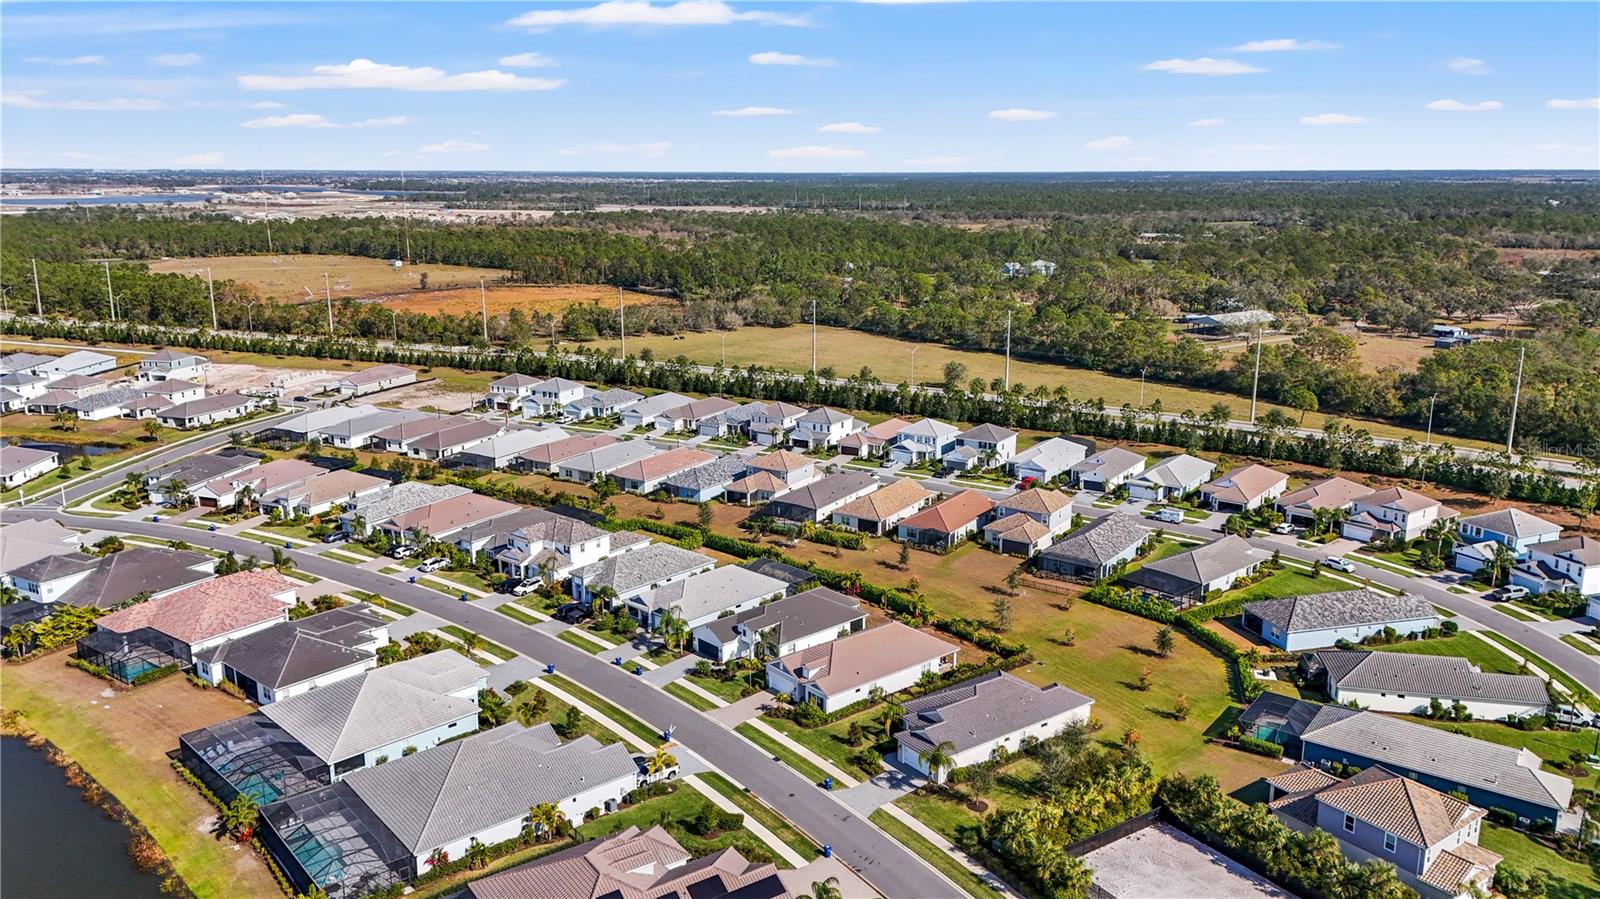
(289, 278)
(528, 298)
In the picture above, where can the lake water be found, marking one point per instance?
(53, 844)
(67, 450)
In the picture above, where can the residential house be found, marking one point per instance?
(312, 423)
(791, 469)
(49, 402)
(1231, 322)
(173, 365)
(1245, 488)
(627, 575)
(77, 362)
(445, 518)
(1050, 508)
(503, 449)
(198, 469)
(1568, 565)
(1430, 837)
(209, 411)
(600, 404)
(375, 379)
(773, 423)
(1191, 576)
(687, 416)
(983, 717)
(818, 500)
(948, 521)
(880, 511)
(1107, 469)
(1295, 623)
(780, 628)
(1512, 528)
(360, 431)
(706, 481)
(854, 668)
(101, 404)
(298, 656)
(170, 630)
(700, 599)
(542, 543)
(872, 441)
(319, 493)
(1336, 494)
(1097, 549)
(398, 437)
(317, 738)
(1171, 478)
(549, 456)
(21, 464)
(173, 391)
(647, 413)
(1491, 775)
(19, 386)
(734, 422)
(509, 392)
(264, 482)
(450, 442)
(650, 474)
(923, 441)
(984, 446)
(823, 427)
(106, 582)
(380, 826)
(1407, 683)
(24, 541)
(587, 467)
(25, 363)
(547, 397)
(83, 385)
(1017, 535)
(1047, 460)
(1393, 513)
(759, 487)
(364, 515)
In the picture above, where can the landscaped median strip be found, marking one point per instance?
(1581, 643)
(688, 697)
(956, 872)
(571, 635)
(828, 769)
(777, 750)
(485, 644)
(695, 690)
(516, 613)
(751, 822)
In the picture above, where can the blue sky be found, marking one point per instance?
(704, 85)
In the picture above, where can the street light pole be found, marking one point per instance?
(483, 304)
(1141, 385)
(622, 323)
(1008, 350)
(211, 291)
(813, 337)
(395, 317)
(1516, 396)
(1431, 400)
(111, 300)
(724, 359)
(327, 291)
(1255, 381)
(911, 376)
(38, 298)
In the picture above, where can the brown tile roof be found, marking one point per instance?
(1465, 863)
(555, 453)
(209, 609)
(1037, 500)
(865, 656)
(886, 501)
(1420, 815)
(1302, 779)
(1328, 493)
(782, 460)
(448, 514)
(761, 480)
(951, 513)
(662, 464)
(630, 864)
(323, 487)
(887, 428)
(1400, 498)
(1018, 526)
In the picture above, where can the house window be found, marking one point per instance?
(1349, 824)
(1388, 842)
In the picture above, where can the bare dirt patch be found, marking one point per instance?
(238, 376)
(1380, 351)
(540, 299)
(432, 395)
(293, 277)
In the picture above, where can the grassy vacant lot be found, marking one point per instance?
(530, 298)
(1568, 880)
(122, 740)
(287, 277)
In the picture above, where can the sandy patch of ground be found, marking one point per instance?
(529, 298)
(236, 377)
(432, 395)
(295, 277)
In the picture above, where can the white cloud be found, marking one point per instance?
(938, 160)
(33, 100)
(1467, 65)
(1458, 106)
(1021, 115)
(774, 58)
(1590, 103)
(387, 121)
(817, 152)
(1333, 118)
(625, 13)
(209, 160)
(177, 59)
(89, 60)
(1207, 123)
(527, 61)
(1205, 65)
(1115, 142)
(455, 146)
(292, 120)
(747, 112)
(650, 150)
(265, 104)
(849, 128)
(1283, 44)
(364, 74)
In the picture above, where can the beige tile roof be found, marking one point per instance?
(1301, 779)
(1399, 498)
(555, 453)
(1037, 500)
(662, 464)
(1466, 863)
(782, 460)
(886, 501)
(452, 513)
(1018, 527)
(761, 480)
(1244, 484)
(630, 864)
(333, 485)
(1328, 493)
(210, 608)
(887, 428)
(863, 657)
(1420, 815)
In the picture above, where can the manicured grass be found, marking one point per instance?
(1551, 745)
(484, 643)
(781, 753)
(1162, 550)
(1561, 677)
(693, 699)
(759, 810)
(350, 547)
(467, 579)
(1288, 582)
(573, 635)
(1511, 611)
(1466, 646)
(829, 740)
(1568, 880)
(1443, 612)
(383, 602)
(556, 712)
(672, 811)
(298, 531)
(638, 728)
(1579, 645)
(933, 855)
(511, 611)
(948, 813)
(729, 691)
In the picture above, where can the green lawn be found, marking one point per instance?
(1561, 677)
(1550, 745)
(353, 548)
(1580, 645)
(1511, 611)
(950, 816)
(672, 811)
(297, 531)
(638, 728)
(729, 691)
(484, 643)
(467, 579)
(556, 711)
(1568, 880)
(511, 611)
(759, 810)
(933, 855)
(829, 740)
(576, 638)
(782, 753)
(690, 697)
(1288, 582)
(1466, 646)
(1162, 550)
(382, 602)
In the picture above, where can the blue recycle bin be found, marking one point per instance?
(827, 850)
(550, 668)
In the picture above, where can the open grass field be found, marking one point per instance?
(122, 739)
(530, 298)
(1568, 880)
(287, 277)
(1380, 351)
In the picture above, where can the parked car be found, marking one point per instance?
(402, 551)
(1509, 591)
(523, 588)
(1169, 514)
(887, 463)
(1284, 528)
(573, 612)
(334, 537)
(433, 564)
(1338, 563)
(1567, 716)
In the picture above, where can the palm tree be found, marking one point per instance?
(661, 762)
(673, 628)
(544, 819)
(825, 889)
(65, 420)
(241, 816)
(1501, 562)
(891, 713)
(18, 639)
(243, 497)
(473, 641)
(178, 494)
(937, 759)
(152, 428)
(476, 856)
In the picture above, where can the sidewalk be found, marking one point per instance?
(756, 827)
(840, 779)
(628, 736)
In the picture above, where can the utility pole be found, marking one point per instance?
(1256, 380)
(622, 323)
(1008, 350)
(724, 362)
(813, 337)
(110, 299)
(1516, 396)
(406, 205)
(483, 304)
(396, 317)
(1431, 400)
(211, 291)
(327, 291)
(266, 215)
(38, 298)
(1141, 385)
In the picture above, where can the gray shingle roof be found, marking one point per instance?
(1342, 608)
(641, 567)
(1101, 540)
(1208, 563)
(611, 456)
(1512, 522)
(713, 591)
(826, 491)
(815, 611)
(722, 470)
(1446, 677)
(402, 498)
(461, 788)
(197, 470)
(295, 651)
(115, 396)
(988, 433)
(1178, 471)
(222, 402)
(113, 580)
(982, 709)
(382, 706)
(1108, 463)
